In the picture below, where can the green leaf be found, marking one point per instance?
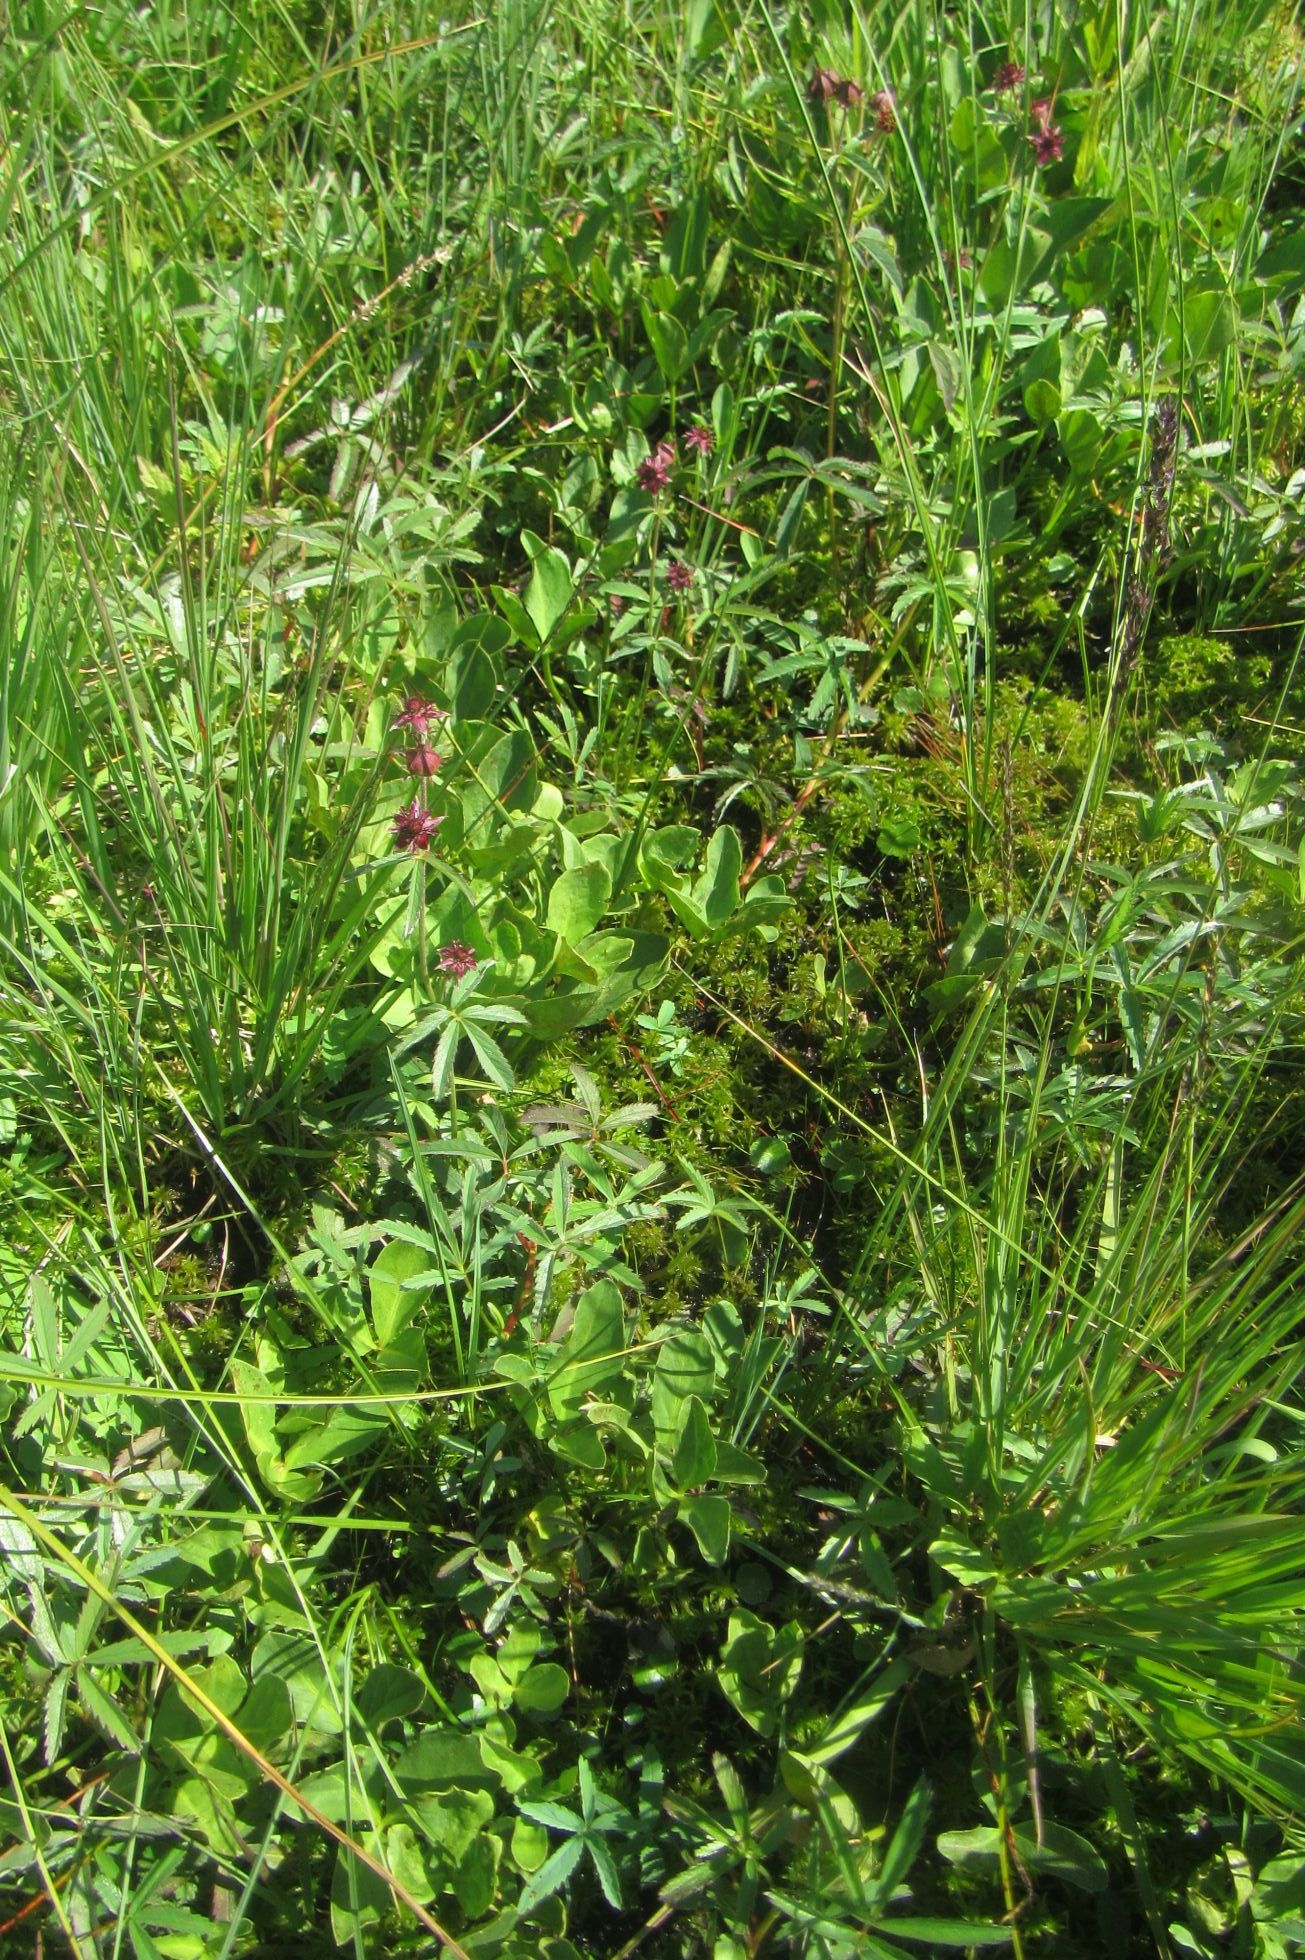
(847, 1728)
(759, 1667)
(947, 1932)
(475, 1875)
(346, 1433)
(695, 1451)
(1062, 1853)
(104, 1711)
(491, 1057)
(552, 1874)
(708, 1518)
(295, 1659)
(669, 343)
(472, 684)
(592, 1353)
(542, 1690)
(550, 587)
(605, 1866)
(266, 1716)
(387, 1693)
(452, 1820)
(716, 892)
(359, 1897)
(1080, 438)
(407, 1860)
(685, 1367)
(393, 1301)
(577, 901)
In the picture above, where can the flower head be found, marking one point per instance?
(457, 959)
(423, 760)
(654, 473)
(1008, 77)
(414, 827)
(418, 715)
(1047, 144)
(1042, 111)
(822, 85)
(679, 576)
(885, 111)
(848, 93)
(700, 437)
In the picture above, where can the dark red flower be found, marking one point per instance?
(418, 715)
(848, 93)
(1008, 76)
(700, 437)
(679, 576)
(1041, 111)
(414, 827)
(423, 761)
(654, 473)
(822, 85)
(457, 959)
(617, 604)
(885, 111)
(1047, 144)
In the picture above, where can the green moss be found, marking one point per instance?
(1193, 681)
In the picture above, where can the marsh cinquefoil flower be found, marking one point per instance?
(418, 715)
(1008, 77)
(457, 959)
(1045, 135)
(654, 473)
(414, 827)
(679, 576)
(700, 438)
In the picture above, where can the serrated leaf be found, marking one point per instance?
(53, 1713)
(104, 1711)
(552, 1874)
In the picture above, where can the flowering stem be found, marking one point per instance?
(838, 328)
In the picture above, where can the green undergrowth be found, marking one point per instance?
(652, 847)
